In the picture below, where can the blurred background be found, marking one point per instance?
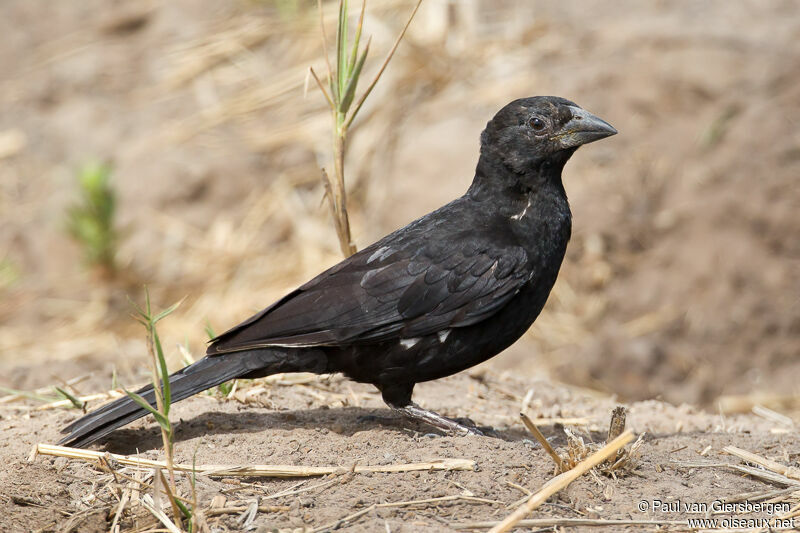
(169, 143)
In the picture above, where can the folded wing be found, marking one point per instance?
(389, 291)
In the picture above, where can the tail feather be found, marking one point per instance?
(204, 374)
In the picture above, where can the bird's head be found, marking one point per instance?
(533, 130)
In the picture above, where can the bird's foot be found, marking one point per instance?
(448, 425)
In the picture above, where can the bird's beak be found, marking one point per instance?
(583, 128)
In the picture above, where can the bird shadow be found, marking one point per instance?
(345, 421)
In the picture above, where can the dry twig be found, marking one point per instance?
(543, 441)
(280, 471)
(769, 464)
(240, 509)
(562, 480)
(349, 518)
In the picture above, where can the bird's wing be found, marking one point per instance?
(390, 290)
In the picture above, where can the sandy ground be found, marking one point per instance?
(680, 286)
(335, 423)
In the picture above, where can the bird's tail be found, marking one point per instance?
(204, 374)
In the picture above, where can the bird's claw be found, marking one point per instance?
(449, 426)
(473, 431)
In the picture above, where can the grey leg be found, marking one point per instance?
(416, 412)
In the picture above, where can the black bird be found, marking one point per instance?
(446, 292)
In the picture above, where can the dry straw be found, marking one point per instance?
(562, 480)
(279, 471)
(773, 466)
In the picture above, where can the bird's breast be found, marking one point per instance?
(543, 227)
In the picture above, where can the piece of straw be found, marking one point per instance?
(543, 441)
(280, 471)
(769, 464)
(561, 481)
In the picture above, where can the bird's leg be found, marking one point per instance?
(397, 395)
(415, 412)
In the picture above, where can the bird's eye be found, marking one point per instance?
(537, 124)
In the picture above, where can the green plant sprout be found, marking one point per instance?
(9, 273)
(340, 95)
(76, 403)
(161, 390)
(91, 221)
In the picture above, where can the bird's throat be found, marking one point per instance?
(494, 179)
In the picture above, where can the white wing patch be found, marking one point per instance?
(379, 254)
(408, 343)
(522, 213)
(443, 335)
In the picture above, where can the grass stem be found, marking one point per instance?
(343, 83)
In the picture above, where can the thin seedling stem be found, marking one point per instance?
(342, 84)
(341, 218)
(162, 393)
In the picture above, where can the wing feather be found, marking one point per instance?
(390, 290)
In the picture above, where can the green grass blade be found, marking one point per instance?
(357, 39)
(334, 90)
(67, 396)
(162, 370)
(140, 400)
(147, 302)
(139, 310)
(144, 404)
(350, 90)
(210, 331)
(386, 60)
(225, 388)
(168, 311)
(91, 221)
(341, 49)
(185, 510)
(194, 467)
(29, 395)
